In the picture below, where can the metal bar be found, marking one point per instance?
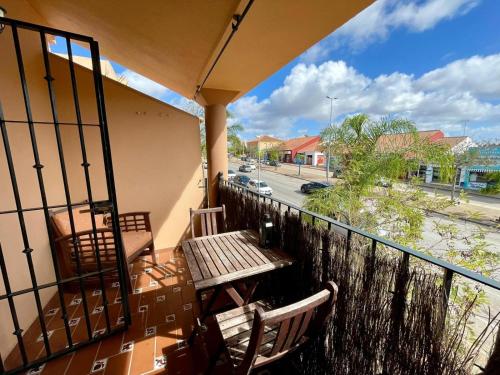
(447, 280)
(54, 283)
(417, 254)
(21, 122)
(27, 249)
(106, 149)
(48, 30)
(234, 27)
(41, 208)
(62, 164)
(17, 329)
(86, 166)
(348, 241)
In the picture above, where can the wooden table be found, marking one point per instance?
(221, 261)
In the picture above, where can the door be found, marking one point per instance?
(55, 155)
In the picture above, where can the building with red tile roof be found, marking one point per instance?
(309, 146)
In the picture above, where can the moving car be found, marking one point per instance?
(312, 186)
(252, 166)
(241, 180)
(230, 174)
(260, 187)
(245, 168)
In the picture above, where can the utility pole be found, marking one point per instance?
(258, 166)
(331, 98)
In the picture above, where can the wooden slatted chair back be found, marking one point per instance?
(280, 331)
(209, 224)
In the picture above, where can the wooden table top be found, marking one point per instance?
(225, 257)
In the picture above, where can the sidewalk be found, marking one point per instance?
(470, 192)
(476, 213)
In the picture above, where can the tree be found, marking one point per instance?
(370, 151)
(493, 183)
(327, 136)
(235, 145)
(197, 110)
(273, 153)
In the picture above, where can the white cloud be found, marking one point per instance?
(464, 90)
(377, 21)
(144, 84)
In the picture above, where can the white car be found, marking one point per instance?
(260, 187)
(252, 166)
(230, 174)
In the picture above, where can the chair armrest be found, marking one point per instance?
(133, 222)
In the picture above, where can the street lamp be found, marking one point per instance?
(331, 98)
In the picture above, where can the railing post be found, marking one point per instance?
(220, 180)
(398, 307)
(447, 280)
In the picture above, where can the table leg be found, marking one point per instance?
(204, 313)
(250, 291)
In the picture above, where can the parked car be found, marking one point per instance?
(204, 164)
(245, 168)
(312, 186)
(230, 174)
(260, 187)
(243, 158)
(274, 163)
(241, 180)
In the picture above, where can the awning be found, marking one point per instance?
(483, 168)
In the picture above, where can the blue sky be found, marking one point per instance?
(436, 62)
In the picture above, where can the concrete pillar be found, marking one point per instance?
(216, 138)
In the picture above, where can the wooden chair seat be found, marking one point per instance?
(236, 328)
(77, 251)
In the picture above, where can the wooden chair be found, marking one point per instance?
(256, 335)
(208, 221)
(77, 252)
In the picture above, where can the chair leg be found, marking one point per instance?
(153, 254)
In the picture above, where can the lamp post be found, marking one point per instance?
(258, 166)
(331, 98)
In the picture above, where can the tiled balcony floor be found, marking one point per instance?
(163, 309)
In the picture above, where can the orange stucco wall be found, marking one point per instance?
(156, 159)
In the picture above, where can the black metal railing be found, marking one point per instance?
(449, 269)
(409, 328)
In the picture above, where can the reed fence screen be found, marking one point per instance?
(390, 314)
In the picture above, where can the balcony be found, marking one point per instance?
(71, 135)
(391, 313)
